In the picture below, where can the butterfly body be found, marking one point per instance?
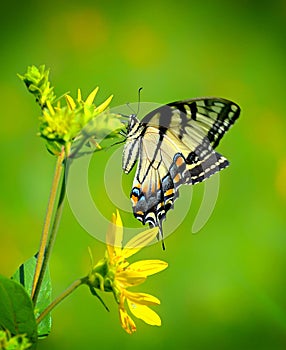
(174, 145)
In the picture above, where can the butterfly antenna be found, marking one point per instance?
(139, 99)
(132, 110)
(128, 105)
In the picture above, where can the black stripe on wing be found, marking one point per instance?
(223, 113)
(212, 164)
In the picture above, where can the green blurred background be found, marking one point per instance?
(225, 286)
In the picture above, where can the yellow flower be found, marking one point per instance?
(89, 109)
(131, 275)
(74, 125)
(59, 123)
(119, 275)
(64, 125)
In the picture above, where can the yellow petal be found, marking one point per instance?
(144, 313)
(50, 108)
(79, 95)
(130, 278)
(110, 236)
(118, 234)
(70, 102)
(148, 267)
(141, 298)
(126, 321)
(103, 106)
(139, 241)
(114, 236)
(91, 97)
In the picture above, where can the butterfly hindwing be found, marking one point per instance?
(174, 145)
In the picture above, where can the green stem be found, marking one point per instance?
(47, 222)
(61, 297)
(51, 241)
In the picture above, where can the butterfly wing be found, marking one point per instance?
(195, 127)
(175, 145)
(200, 123)
(154, 187)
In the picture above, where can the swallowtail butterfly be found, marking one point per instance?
(174, 145)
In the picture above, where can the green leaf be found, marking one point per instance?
(25, 276)
(16, 310)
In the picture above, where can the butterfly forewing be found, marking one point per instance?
(214, 116)
(174, 145)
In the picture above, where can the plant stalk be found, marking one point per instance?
(51, 240)
(47, 222)
(61, 297)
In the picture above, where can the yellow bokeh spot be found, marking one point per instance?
(141, 45)
(83, 30)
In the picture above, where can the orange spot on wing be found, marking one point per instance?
(179, 161)
(168, 192)
(134, 199)
(177, 178)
